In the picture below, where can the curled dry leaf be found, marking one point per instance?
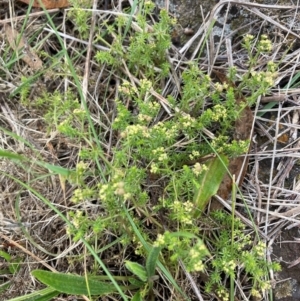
(19, 44)
(48, 4)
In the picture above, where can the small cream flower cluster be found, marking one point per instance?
(123, 113)
(194, 155)
(119, 188)
(118, 185)
(144, 118)
(221, 144)
(81, 194)
(264, 286)
(148, 110)
(146, 84)
(127, 89)
(221, 87)
(267, 77)
(77, 219)
(218, 142)
(199, 168)
(229, 266)
(160, 129)
(103, 189)
(260, 249)
(255, 293)
(196, 255)
(183, 211)
(81, 167)
(160, 241)
(133, 130)
(192, 257)
(223, 294)
(264, 45)
(161, 154)
(115, 187)
(272, 67)
(244, 145)
(248, 38)
(219, 112)
(188, 121)
(160, 158)
(149, 5)
(154, 168)
(153, 106)
(77, 196)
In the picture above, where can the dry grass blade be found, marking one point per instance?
(89, 50)
(34, 14)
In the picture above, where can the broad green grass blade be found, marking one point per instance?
(10, 155)
(267, 108)
(53, 168)
(137, 297)
(5, 255)
(133, 8)
(183, 234)
(45, 294)
(151, 261)
(137, 269)
(73, 284)
(209, 181)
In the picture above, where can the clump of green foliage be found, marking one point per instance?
(80, 14)
(234, 250)
(149, 147)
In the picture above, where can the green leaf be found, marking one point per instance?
(136, 282)
(4, 286)
(11, 155)
(151, 261)
(209, 181)
(137, 297)
(45, 294)
(137, 270)
(183, 234)
(133, 8)
(73, 284)
(55, 168)
(5, 255)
